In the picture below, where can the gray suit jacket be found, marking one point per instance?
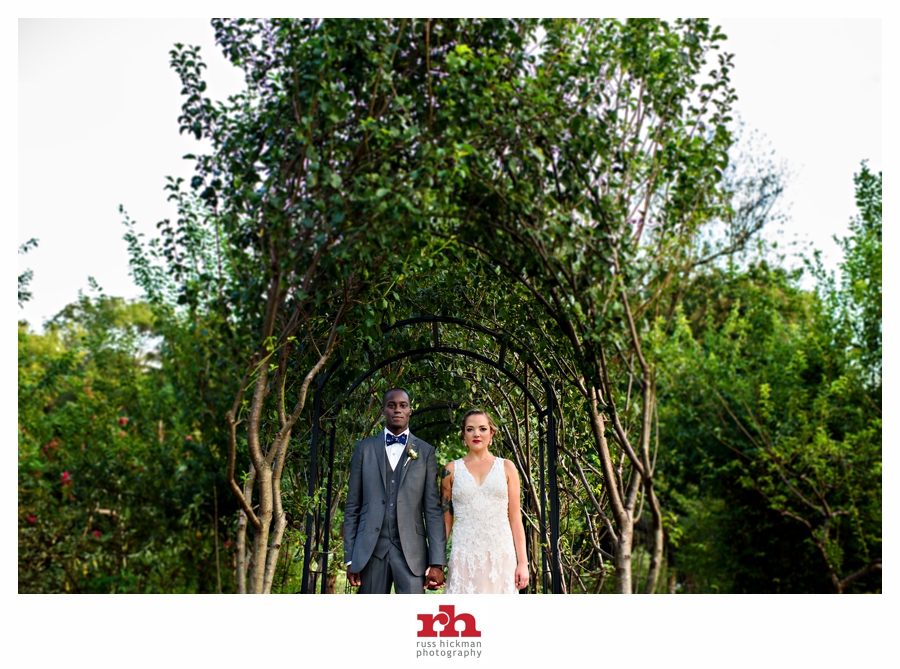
(419, 517)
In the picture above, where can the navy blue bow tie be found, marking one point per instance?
(391, 439)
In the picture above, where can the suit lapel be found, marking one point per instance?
(378, 450)
(402, 463)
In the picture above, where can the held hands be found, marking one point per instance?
(434, 578)
(521, 575)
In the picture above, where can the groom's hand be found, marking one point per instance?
(354, 579)
(434, 578)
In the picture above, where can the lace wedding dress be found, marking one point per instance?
(482, 556)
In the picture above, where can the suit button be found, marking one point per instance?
(392, 480)
(382, 501)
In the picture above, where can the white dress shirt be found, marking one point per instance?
(395, 450)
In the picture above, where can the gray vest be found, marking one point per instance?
(390, 533)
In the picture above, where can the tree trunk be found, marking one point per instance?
(622, 507)
(241, 538)
(261, 538)
(656, 546)
(274, 549)
(623, 558)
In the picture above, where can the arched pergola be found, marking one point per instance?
(547, 431)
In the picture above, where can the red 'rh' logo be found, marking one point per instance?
(448, 618)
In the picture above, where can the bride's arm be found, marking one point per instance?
(447, 496)
(515, 523)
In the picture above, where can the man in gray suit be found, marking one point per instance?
(393, 524)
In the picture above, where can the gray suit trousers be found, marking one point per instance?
(379, 574)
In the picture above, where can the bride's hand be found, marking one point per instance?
(521, 576)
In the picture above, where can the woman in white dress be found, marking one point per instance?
(480, 498)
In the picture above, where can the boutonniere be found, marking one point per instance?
(411, 452)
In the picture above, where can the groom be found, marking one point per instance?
(392, 489)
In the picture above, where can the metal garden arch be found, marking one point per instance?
(547, 443)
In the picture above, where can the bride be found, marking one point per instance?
(480, 499)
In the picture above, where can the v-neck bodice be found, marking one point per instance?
(490, 471)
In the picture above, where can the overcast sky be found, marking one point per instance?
(98, 107)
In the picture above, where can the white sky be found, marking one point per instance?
(98, 107)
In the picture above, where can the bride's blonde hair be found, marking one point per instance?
(478, 412)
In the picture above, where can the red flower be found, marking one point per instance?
(52, 444)
(97, 533)
(188, 437)
(121, 434)
(123, 421)
(32, 519)
(227, 544)
(94, 417)
(66, 479)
